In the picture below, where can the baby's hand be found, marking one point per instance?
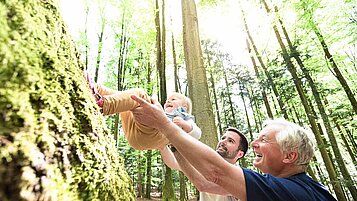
(185, 125)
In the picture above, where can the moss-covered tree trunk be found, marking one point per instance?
(53, 141)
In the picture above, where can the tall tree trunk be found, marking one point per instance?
(139, 183)
(349, 150)
(256, 112)
(350, 137)
(213, 87)
(100, 40)
(264, 95)
(168, 193)
(311, 173)
(168, 190)
(197, 79)
(258, 120)
(229, 96)
(162, 69)
(148, 174)
(183, 189)
(176, 77)
(123, 44)
(158, 48)
(242, 87)
(86, 46)
(270, 79)
(215, 98)
(183, 192)
(52, 142)
(337, 71)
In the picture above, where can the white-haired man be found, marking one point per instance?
(283, 151)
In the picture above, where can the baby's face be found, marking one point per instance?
(172, 103)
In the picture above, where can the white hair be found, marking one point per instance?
(294, 137)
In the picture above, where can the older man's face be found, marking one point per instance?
(269, 157)
(228, 145)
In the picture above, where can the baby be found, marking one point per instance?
(177, 107)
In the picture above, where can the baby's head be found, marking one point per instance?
(176, 100)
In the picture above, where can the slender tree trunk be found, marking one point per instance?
(311, 173)
(139, 184)
(229, 96)
(123, 44)
(176, 77)
(270, 79)
(148, 174)
(264, 95)
(349, 150)
(213, 87)
(183, 195)
(168, 190)
(100, 47)
(241, 86)
(350, 137)
(196, 73)
(168, 193)
(255, 108)
(86, 46)
(337, 72)
(162, 69)
(158, 51)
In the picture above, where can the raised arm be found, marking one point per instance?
(196, 178)
(169, 158)
(205, 160)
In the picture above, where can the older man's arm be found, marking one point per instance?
(197, 179)
(205, 160)
(178, 162)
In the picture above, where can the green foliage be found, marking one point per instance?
(52, 142)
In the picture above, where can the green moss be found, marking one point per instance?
(53, 145)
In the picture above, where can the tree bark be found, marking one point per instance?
(53, 145)
(197, 79)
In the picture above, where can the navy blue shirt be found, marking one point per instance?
(299, 187)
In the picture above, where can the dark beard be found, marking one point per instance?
(225, 154)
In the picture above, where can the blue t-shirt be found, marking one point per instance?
(299, 187)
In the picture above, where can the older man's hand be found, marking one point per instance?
(149, 114)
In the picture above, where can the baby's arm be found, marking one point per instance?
(169, 158)
(188, 126)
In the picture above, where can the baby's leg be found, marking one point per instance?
(141, 137)
(103, 91)
(121, 101)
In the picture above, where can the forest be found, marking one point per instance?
(241, 62)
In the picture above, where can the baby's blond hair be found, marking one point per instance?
(187, 100)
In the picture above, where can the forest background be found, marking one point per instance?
(240, 62)
(262, 59)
